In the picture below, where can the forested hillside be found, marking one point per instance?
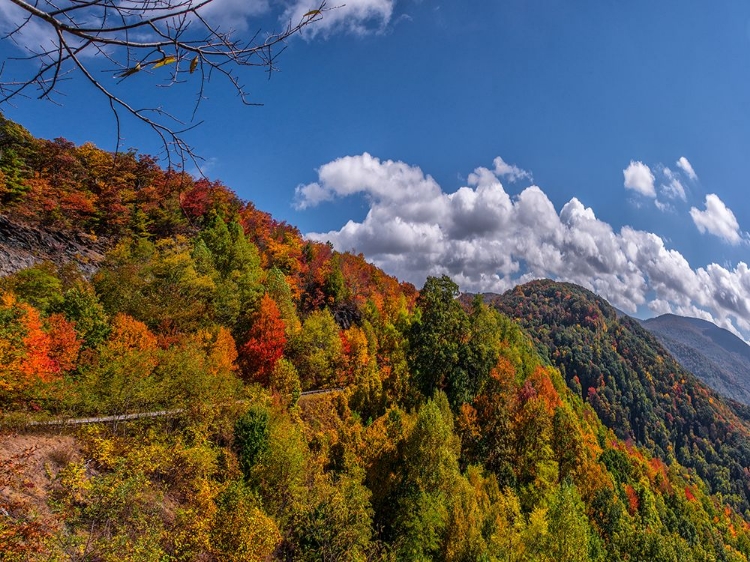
(714, 355)
(455, 435)
(634, 384)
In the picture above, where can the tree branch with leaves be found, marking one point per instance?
(135, 36)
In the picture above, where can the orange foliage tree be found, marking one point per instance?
(26, 349)
(64, 342)
(129, 334)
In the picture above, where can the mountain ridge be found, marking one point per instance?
(632, 382)
(551, 432)
(713, 354)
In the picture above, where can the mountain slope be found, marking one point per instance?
(714, 355)
(634, 384)
(450, 439)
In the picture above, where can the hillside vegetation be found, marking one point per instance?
(714, 355)
(457, 436)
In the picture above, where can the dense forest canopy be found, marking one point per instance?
(542, 428)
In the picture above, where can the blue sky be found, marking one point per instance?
(382, 129)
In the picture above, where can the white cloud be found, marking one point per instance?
(659, 307)
(663, 207)
(234, 15)
(33, 36)
(717, 219)
(686, 167)
(673, 189)
(510, 171)
(357, 17)
(487, 240)
(638, 177)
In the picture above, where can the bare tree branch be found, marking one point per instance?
(136, 36)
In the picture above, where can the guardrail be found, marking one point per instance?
(141, 415)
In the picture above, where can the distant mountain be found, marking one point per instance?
(633, 383)
(714, 355)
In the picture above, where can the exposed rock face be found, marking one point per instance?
(23, 245)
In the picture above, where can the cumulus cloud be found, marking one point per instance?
(638, 177)
(357, 17)
(717, 219)
(488, 240)
(686, 167)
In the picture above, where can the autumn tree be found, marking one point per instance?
(317, 351)
(159, 284)
(38, 285)
(570, 535)
(119, 379)
(251, 435)
(15, 144)
(490, 435)
(242, 531)
(265, 342)
(278, 288)
(430, 472)
(28, 354)
(81, 306)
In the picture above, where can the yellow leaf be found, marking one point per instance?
(312, 13)
(165, 61)
(193, 65)
(130, 71)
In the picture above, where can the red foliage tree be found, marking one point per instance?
(265, 343)
(633, 500)
(205, 195)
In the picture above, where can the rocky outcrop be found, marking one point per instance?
(23, 245)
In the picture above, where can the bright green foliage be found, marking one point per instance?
(334, 285)
(451, 350)
(224, 253)
(437, 339)
(16, 144)
(569, 537)
(38, 285)
(316, 351)
(13, 173)
(251, 434)
(481, 352)
(430, 472)
(567, 443)
(280, 477)
(278, 288)
(156, 283)
(81, 305)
